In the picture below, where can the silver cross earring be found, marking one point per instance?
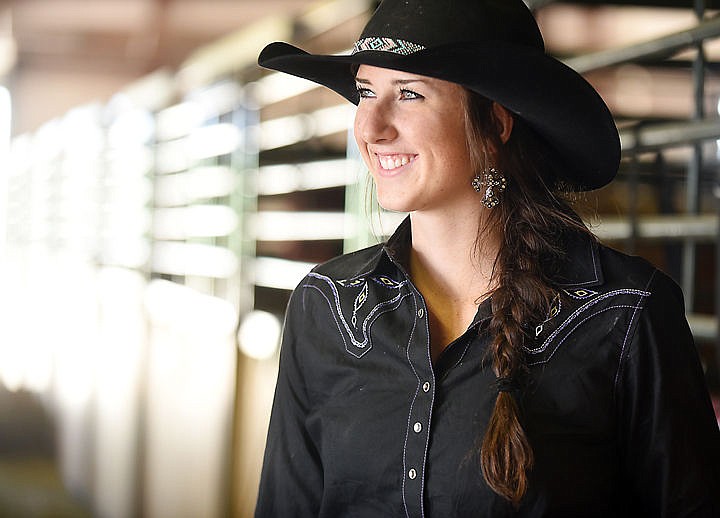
(493, 183)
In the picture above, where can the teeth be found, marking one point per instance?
(395, 161)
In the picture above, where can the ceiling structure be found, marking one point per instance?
(136, 36)
(140, 35)
(44, 43)
(57, 54)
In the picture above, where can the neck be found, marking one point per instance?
(451, 265)
(450, 256)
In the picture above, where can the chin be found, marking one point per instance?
(394, 205)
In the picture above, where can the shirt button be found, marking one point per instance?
(426, 386)
(417, 427)
(412, 474)
(421, 312)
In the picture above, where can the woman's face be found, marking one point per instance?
(412, 135)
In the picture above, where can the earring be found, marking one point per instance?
(493, 183)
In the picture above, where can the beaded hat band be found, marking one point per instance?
(402, 47)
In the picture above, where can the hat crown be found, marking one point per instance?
(491, 47)
(435, 23)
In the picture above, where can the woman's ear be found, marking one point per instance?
(504, 121)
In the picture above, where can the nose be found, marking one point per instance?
(374, 122)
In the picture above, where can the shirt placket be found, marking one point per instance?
(420, 412)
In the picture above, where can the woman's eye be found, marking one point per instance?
(364, 93)
(409, 94)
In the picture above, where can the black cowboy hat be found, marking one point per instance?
(493, 47)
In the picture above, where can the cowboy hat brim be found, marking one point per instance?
(557, 102)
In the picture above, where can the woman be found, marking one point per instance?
(490, 359)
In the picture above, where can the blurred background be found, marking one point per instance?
(160, 196)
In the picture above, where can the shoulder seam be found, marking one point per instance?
(631, 327)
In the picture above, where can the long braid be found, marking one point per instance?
(531, 219)
(506, 455)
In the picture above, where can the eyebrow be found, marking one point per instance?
(395, 82)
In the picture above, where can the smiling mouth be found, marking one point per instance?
(390, 162)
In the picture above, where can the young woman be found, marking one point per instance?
(492, 358)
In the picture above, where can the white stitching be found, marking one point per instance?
(332, 313)
(412, 403)
(573, 293)
(557, 346)
(622, 349)
(627, 335)
(395, 302)
(577, 312)
(432, 404)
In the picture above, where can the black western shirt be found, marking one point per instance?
(364, 424)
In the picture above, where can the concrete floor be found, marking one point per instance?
(30, 483)
(31, 488)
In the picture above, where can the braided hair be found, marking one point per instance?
(529, 223)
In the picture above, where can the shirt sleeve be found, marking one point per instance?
(669, 438)
(291, 479)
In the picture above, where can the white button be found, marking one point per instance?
(412, 474)
(426, 386)
(421, 312)
(417, 427)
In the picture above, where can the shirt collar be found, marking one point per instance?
(581, 264)
(397, 247)
(579, 267)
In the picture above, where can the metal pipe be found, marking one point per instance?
(692, 185)
(716, 190)
(659, 48)
(633, 186)
(644, 138)
(702, 227)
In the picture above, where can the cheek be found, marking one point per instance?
(357, 133)
(458, 144)
(356, 124)
(453, 145)
(458, 169)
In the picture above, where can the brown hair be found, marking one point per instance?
(530, 220)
